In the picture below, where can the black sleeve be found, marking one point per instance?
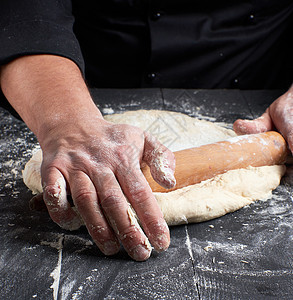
(38, 27)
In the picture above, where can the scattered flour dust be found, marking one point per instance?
(55, 274)
(67, 288)
(15, 159)
(108, 110)
(189, 247)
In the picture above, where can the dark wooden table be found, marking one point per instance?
(251, 250)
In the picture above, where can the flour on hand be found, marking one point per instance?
(196, 203)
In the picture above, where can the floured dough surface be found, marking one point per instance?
(220, 195)
(175, 130)
(200, 202)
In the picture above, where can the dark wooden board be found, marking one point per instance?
(217, 105)
(250, 253)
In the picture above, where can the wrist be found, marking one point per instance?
(69, 120)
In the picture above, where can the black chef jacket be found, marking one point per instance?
(158, 43)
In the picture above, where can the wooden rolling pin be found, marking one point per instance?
(201, 163)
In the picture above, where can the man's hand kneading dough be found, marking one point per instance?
(97, 162)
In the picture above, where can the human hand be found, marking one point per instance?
(278, 116)
(95, 161)
(98, 162)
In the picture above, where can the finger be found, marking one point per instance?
(160, 160)
(290, 141)
(85, 198)
(282, 113)
(139, 194)
(120, 216)
(262, 124)
(55, 197)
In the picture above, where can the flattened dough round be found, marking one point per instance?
(196, 203)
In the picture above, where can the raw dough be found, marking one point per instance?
(220, 195)
(32, 173)
(200, 202)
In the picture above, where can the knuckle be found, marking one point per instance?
(126, 153)
(112, 198)
(98, 232)
(122, 155)
(140, 196)
(157, 226)
(130, 234)
(136, 186)
(50, 165)
(82, 197)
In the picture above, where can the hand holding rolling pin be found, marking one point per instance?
(95, 161)
(278, 116)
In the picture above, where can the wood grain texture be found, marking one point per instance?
(201, 163)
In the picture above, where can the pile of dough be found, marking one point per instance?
(196, 203)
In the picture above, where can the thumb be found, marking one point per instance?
(160, 160)
(262, 124)
(55, 198)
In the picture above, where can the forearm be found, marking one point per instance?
(89, 157)
(46, 91)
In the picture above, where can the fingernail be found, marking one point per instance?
(140, 253)
(169, 179)
(163, 173)
(110, 248)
